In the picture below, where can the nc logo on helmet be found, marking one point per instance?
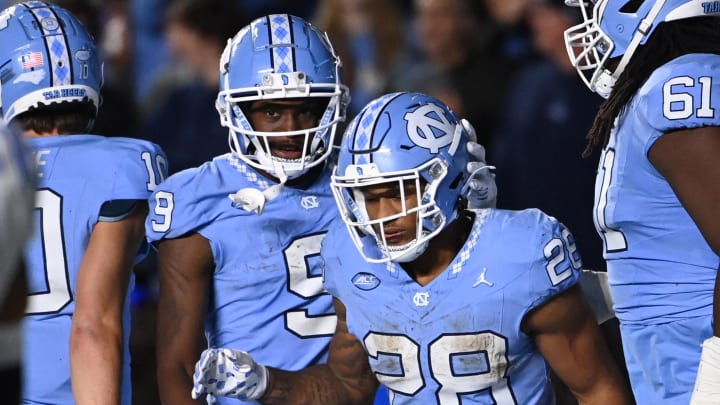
(429, 128)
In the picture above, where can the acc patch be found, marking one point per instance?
(365, 281)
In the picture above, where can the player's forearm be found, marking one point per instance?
(607, 395)
(607, 387)
(604, 384)
(175, 385)
(177, 350)
(314, 385)
(96, 359)
(178, 343)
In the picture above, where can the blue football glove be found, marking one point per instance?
(229, 373)
(480, 189)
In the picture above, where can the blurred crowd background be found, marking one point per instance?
(502, 64)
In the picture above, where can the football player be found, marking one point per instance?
(657, 62)
(90, 206)
(17, 191)
(438, 303)
(238, 237)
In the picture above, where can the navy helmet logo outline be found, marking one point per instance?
(429, 128)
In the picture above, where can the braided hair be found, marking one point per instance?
(669, 41)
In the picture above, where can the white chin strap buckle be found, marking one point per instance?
(253, 200)
(604, 84)
(249, 199)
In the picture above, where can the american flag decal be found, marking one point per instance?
(31, 60)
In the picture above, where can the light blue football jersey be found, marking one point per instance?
(660, 268)
(459, 339)
(268, 295)
(77, 175)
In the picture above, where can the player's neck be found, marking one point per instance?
(301, 182)
(441, 251)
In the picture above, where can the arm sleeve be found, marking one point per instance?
(557, 265)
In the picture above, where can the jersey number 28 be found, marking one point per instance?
(441, 353)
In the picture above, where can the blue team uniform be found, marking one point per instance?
(77, 175)
(268, 295)
(458, 339)
(660, 268)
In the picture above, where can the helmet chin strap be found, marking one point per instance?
(606, 80)
(411, 250)
(412, 254)
(253, 200)
(278, 167)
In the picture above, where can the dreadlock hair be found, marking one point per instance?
(669, 41)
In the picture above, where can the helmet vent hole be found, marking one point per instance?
(456, 181)
(631, 7)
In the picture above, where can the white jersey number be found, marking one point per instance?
(302, 283)
(164, 206)
(679, 105)
(441, 353)
(554, 252)
(155, 171)
(614, 239)
(57, 295)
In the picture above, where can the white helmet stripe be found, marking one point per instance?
(56, 45)
(281, 34)
(366, 128)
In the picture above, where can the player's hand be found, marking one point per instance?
(480, 189)
(230, 373)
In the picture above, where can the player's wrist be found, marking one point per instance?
(269, 384)
(263, 376)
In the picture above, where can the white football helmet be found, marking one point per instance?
(280, 56)
(48, 58)
(615, 28)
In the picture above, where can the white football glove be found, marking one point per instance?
(229, 373)
(480, 189)
(707, 383)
